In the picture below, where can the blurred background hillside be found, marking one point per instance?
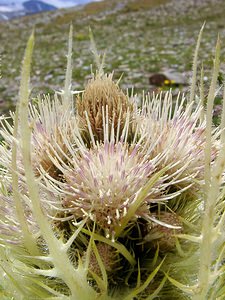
(141, 38)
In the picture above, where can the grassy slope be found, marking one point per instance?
(140, 37)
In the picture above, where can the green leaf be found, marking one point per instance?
(186, 289)
(145, 284)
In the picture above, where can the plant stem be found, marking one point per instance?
(212, 185)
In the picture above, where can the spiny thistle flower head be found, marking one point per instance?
(164, 236)
(179, 135)
(51, 122)
(108, 256)
(95, 200)
(104, 182)
(101, 99)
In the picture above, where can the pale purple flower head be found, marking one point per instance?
(104, 181)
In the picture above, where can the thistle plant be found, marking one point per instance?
(102, 198)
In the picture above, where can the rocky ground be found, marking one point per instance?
(140, 37)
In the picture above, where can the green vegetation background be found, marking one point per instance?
(140, 37)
